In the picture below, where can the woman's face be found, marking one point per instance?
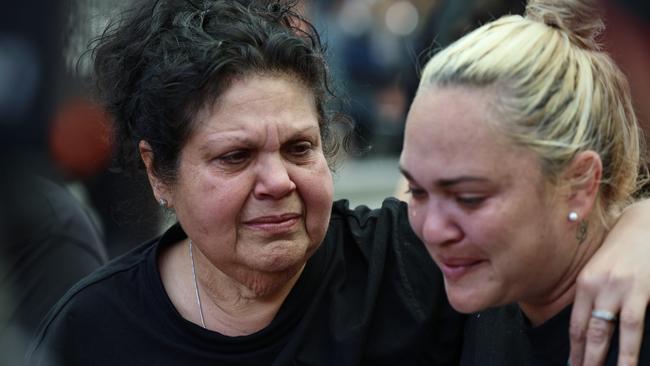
(254, 191)
(479, 203)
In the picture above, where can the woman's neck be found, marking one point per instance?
(561, 292)
(236, 307)
(228, 306)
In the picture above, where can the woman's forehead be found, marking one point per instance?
(450, 133)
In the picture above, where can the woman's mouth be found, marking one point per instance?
(454, 269)
(274, 224)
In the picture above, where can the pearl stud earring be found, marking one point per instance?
(573, 216)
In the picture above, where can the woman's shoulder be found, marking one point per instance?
(383, 240)
(91, 299)
(364, 215)
(383, 227)
(114, 272)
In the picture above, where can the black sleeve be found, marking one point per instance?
(412, 310)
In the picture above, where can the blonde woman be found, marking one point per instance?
(521, 150)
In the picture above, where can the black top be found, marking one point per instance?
(370, 295)
(503, 336)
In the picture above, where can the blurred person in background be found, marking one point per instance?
(47, 239)
(446, 22)
(369, 50)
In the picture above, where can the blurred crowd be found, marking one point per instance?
(377, 47)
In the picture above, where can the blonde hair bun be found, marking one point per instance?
(579, 19)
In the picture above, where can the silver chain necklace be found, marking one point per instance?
(196, 287)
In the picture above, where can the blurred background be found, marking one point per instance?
(375, 49)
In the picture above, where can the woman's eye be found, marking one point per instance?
(470, 200)
(416, 193)
(300, 148)
(235, 157)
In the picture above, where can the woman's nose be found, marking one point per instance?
(439, 227)
(273, 178)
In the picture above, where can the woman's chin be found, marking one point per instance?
(272, 275)
(282, 257)
(467, 301)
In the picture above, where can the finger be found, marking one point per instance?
(631, 326)
(599, 331)
(599, 334)
(580, 315)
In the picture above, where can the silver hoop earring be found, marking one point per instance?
(162, 202)
(573, 216)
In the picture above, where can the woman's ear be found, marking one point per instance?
(160, 190)
(583, 178)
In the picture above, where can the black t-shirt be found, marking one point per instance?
(370, 295)
(503, 336)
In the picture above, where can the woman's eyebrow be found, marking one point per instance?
(461, 179)
(447, 182)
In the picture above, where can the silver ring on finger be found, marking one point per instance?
(605, 315)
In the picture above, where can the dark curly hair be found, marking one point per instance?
(167, 59)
